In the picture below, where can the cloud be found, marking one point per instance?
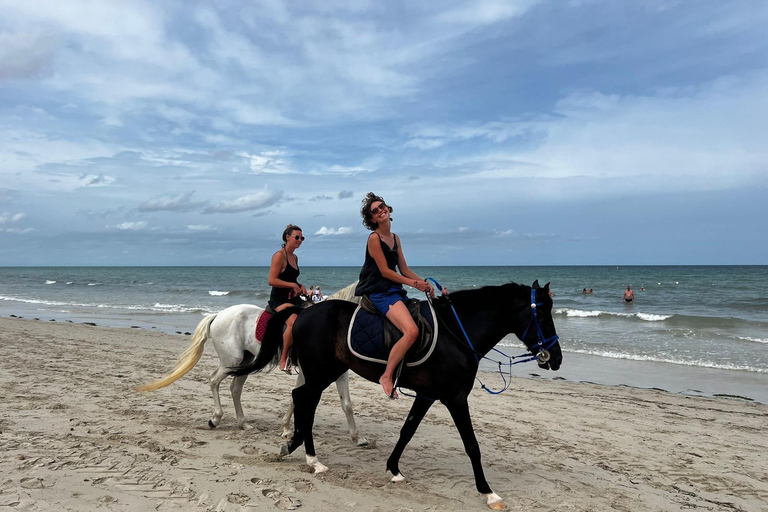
(26, 55)
(321, 198)
(201, 228)
(324, 231)
(256, 201)
(19, 231)
(345, 194)
(11, 217)
(180, 203)
(131, 226)
(96, 180)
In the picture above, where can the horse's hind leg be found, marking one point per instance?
(418, 410)
(305, 400)
(286, 423)
(342, 385)
(237, 390)
(459, 410)
(216, 377)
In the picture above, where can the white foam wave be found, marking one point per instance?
(217, 294)
(756, 340)
(69, 282)
(48, 281)
(93, 284)
(164, 308)
(580, 313)
(656, 359)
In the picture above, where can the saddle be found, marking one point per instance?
(261, 325)
(371, 336)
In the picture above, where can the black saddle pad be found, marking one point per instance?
(367, 339)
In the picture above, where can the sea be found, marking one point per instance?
(695, 330)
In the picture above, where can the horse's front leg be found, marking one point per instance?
(342, 385)
(418, 410)
(459, 410)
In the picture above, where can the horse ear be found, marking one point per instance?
(535, 285)
(546, 286)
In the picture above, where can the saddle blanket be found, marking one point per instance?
(366, 336)
(261, 325)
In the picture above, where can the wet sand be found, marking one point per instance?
(74, 435)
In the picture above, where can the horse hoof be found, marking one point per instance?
(211, 424)
(286, 435)
(284, 451)
(246, 426)
(398, 478)
(314, 463)
(495, 502)
(363, 441)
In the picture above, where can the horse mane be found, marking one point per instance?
(489, 294)
(347, 293)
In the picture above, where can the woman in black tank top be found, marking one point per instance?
(380, 280)
(286, 289)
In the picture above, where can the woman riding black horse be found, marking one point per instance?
(486, 315)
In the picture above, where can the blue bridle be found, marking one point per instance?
(544, 344)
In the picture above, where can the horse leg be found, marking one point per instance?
(237, 390)
(418, 410)
(342, 385)
(459, 410)
(286, 423)
(216, 377)
(305, 400)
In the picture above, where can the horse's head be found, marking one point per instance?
(540, 336)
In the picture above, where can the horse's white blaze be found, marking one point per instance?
(313, 462)
(398, 478)
(494, 501)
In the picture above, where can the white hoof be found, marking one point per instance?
(286, 435)
(246, 426)
(495, 502)
(362, 441)
(314, 463)
(398, 478)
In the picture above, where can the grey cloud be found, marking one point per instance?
(321, 198)
(345, 194)
(256, 201)
(180, 203)
(26, 56)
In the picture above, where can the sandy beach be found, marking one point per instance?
(74, 435)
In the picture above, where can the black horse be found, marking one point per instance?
(486, 314)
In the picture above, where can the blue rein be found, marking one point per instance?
(544, 344)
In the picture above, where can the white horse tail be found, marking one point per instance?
(188, 359)
(347, 293)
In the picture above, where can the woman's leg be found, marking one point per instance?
(287, 338)
(399, 315)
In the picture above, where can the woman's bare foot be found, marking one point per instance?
(285, 367)
(389, 387)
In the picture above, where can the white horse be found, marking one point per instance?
(232, 332)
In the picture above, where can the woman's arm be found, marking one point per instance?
(374, 248)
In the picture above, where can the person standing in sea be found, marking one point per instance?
(380, 280)
(286, 289)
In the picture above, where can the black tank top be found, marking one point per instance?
(371, 280)
(279, 296)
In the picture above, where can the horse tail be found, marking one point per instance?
(271, 345)
(188, 359)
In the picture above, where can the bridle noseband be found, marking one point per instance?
(543, 354)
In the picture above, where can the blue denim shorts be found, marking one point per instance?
(384, 300)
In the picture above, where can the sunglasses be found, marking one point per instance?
(297, 238)
(381, 207)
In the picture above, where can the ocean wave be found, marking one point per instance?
(69, 282)
(580, 313)
(48, 281)
(756, 340)
(157, 307)
(93, 284)
(217, 294)
(657, 359)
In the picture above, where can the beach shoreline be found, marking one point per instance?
(76, 436)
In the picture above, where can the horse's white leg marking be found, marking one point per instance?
(495, 502)
(319, 468)
(289, 413)
(397, 478)
(237, 391)
(342, 385)
(216, 377)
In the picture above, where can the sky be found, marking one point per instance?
(528, 132)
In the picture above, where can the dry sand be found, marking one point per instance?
(74, 435)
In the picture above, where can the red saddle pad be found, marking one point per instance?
(261, 325)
